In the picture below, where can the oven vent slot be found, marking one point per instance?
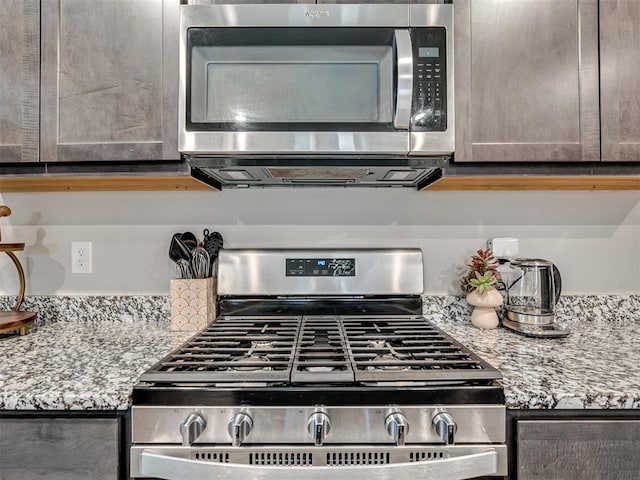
(428, 455)
(219, 457)
(281, 458)
(357, 458)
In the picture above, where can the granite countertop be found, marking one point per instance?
(80, 365)
(93, 365)
(596, 366)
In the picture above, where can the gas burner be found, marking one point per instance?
(254, 363)
(376, 343)
(320, 369)
(379, 364)
(387, 359)
(258, 345)
(255, 359)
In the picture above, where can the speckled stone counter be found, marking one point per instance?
(80, 365)
(87, 353)
(596, 366)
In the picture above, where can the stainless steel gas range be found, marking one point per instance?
(320, 366)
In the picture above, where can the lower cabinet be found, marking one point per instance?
(65, 447)
(576, 448)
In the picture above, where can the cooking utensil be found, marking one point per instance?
(181, 246)
(212, 243)
(200, 263)
(177, 249)
(189, 239)
(183, 269)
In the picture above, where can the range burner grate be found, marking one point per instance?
(321, 349)
(408, 349)
(321, 353)
(236, 349)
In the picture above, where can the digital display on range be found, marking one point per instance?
(320, 267)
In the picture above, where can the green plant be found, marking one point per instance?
(483, 273)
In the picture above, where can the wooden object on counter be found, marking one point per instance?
(15, 319)
(4, 212)
(11, 321)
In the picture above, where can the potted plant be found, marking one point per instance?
(480, 284)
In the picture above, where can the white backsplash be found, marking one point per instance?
(593, 237)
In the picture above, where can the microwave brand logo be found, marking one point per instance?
(316, 13)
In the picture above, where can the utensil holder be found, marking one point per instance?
(192, 303)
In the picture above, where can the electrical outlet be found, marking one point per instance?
(503, 248)
(80, 257)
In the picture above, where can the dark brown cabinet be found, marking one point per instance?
(19, 80)
(89, 81)
(63, 448)
(620, 79)
(109, 80)
(583, 445)
(526, 80)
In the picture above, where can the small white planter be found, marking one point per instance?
(484, 314)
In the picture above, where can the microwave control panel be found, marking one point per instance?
(429, 103)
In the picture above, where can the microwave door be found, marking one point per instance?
(296, 90)
(404, 73)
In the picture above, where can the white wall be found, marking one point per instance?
(593, 237)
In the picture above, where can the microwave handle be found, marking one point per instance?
(404, 67)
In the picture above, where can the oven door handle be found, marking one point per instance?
(404, 70)
(454, 468)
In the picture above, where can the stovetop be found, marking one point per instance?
(317, 350)
(320, 327)
(328, 360)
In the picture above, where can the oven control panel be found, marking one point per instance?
(429, 104)
(318, 425)
(320, 267)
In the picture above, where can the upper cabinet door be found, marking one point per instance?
(526, 80)
(620, 79)
(109, 80)
(19, 80)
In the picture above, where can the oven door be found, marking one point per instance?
(450, 462)
(295, 79)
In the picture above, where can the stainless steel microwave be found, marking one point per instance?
(321, 94)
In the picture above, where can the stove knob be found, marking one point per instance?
(397, 427)
(445, 427)
(319, 425)
(191, 428)
(239, 428)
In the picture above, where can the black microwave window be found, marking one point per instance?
(299, 36)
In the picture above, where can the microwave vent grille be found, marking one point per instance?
(319, 173)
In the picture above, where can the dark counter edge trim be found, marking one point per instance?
(451, 169)
(102, 168)
(144, 394)
(485, 169)
(124, 427)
